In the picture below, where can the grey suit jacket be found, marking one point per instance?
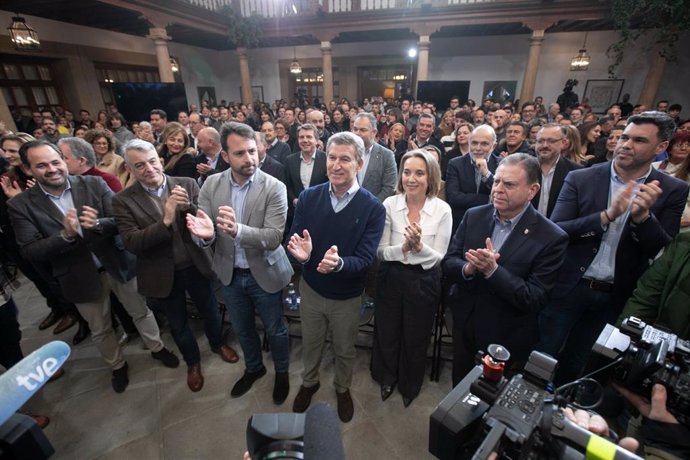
(38, 222)
(381, 173)
(261, 234)
(145, 234)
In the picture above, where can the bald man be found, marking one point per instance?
(209, 161)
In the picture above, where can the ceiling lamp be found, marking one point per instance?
(582, 59)
(174, 65)
(23, 35)
(294, 65)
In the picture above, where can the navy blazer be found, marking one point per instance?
(563, 167)
(292, 178)
(505, 307)
(462, 192)
(221, 165)
(273, 168)
(280, 151)
(584, 195)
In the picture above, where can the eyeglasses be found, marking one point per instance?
(548, 141)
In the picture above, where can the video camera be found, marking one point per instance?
(646, 355)
(517, 418)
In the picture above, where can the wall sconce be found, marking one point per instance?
(174, 65)
(23, 35)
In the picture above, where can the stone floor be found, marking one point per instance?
(157, 417)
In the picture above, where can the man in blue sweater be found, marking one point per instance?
(335, 234)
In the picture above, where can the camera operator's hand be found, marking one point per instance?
(597, 425)
(654, 410)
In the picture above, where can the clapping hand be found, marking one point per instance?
(9, 187)
(300, 246)
(200, 225)
(329, 262)
(227, 221)
(643, 200)
(413, 238)
(88, 218)
(483, 260)
(70, 223)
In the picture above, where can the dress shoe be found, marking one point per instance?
(346, 408)
(228, 354)
(245, 383)
(167, 357)
(195, 380)
(120, 379)
(41, 420)
(58, 373)
(82, 333)
(65, 323)
(303, 398)
(50, 320)
(407, 401)
(281, 388)
(386, 392)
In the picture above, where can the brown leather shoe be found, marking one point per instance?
(195, 380)
(58, 373)
(228, 354)
(65, 323)
(50, 320)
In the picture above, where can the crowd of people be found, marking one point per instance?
(531, 223)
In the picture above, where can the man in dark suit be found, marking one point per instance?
(554, 167)
(307, 167)
(210, 159)
(618, 215)
(503, 261)
(151, 219)
(67, 221)
(277, 149)
(379, 174)
(266, 163)
(469, 178)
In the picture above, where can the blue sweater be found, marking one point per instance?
(356, 230)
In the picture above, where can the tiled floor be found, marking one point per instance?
(157, 417)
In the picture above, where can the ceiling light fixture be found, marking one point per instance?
(581, 60)
(295, 68)
(23, 35)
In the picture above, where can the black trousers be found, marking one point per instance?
(10, 335)
(407, 298)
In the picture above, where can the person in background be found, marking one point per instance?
(177, 155)
(678, 165)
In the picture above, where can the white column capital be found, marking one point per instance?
(158, 34)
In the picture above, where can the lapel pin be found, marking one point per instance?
(526, 231)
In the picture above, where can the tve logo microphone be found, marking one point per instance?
(26, 377)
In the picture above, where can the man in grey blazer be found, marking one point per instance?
(67, 222)
(249, 209)
(378, 175)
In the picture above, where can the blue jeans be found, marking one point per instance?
(175, 307)
(243, 298)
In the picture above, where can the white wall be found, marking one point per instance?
(466, 58)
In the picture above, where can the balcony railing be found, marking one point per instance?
(283, 8)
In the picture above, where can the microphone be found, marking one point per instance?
(25, 378)
(322, 438)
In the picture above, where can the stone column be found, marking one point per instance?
(423, 57)
(655, 73)
(245, 80)
(160, 37)
(327, 67)
(530, 78)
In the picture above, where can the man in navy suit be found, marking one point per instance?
(618, 215)
(470, 177)
(554, 167)
(266, 163)
(503, 261)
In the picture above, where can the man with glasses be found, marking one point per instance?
(528, 113)
(469, 178)
(554, 167)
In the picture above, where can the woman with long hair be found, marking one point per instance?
(678, 165)
(415, 238)
(447, 124)
(338, 122)
(107, 160)
(178, 156)
(395, 134)
(461, 146)
(589, 135)
(571, 150)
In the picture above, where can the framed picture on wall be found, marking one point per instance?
(600, 94)
(207, 93)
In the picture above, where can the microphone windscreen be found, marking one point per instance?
(322, 438)
(25, 378)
